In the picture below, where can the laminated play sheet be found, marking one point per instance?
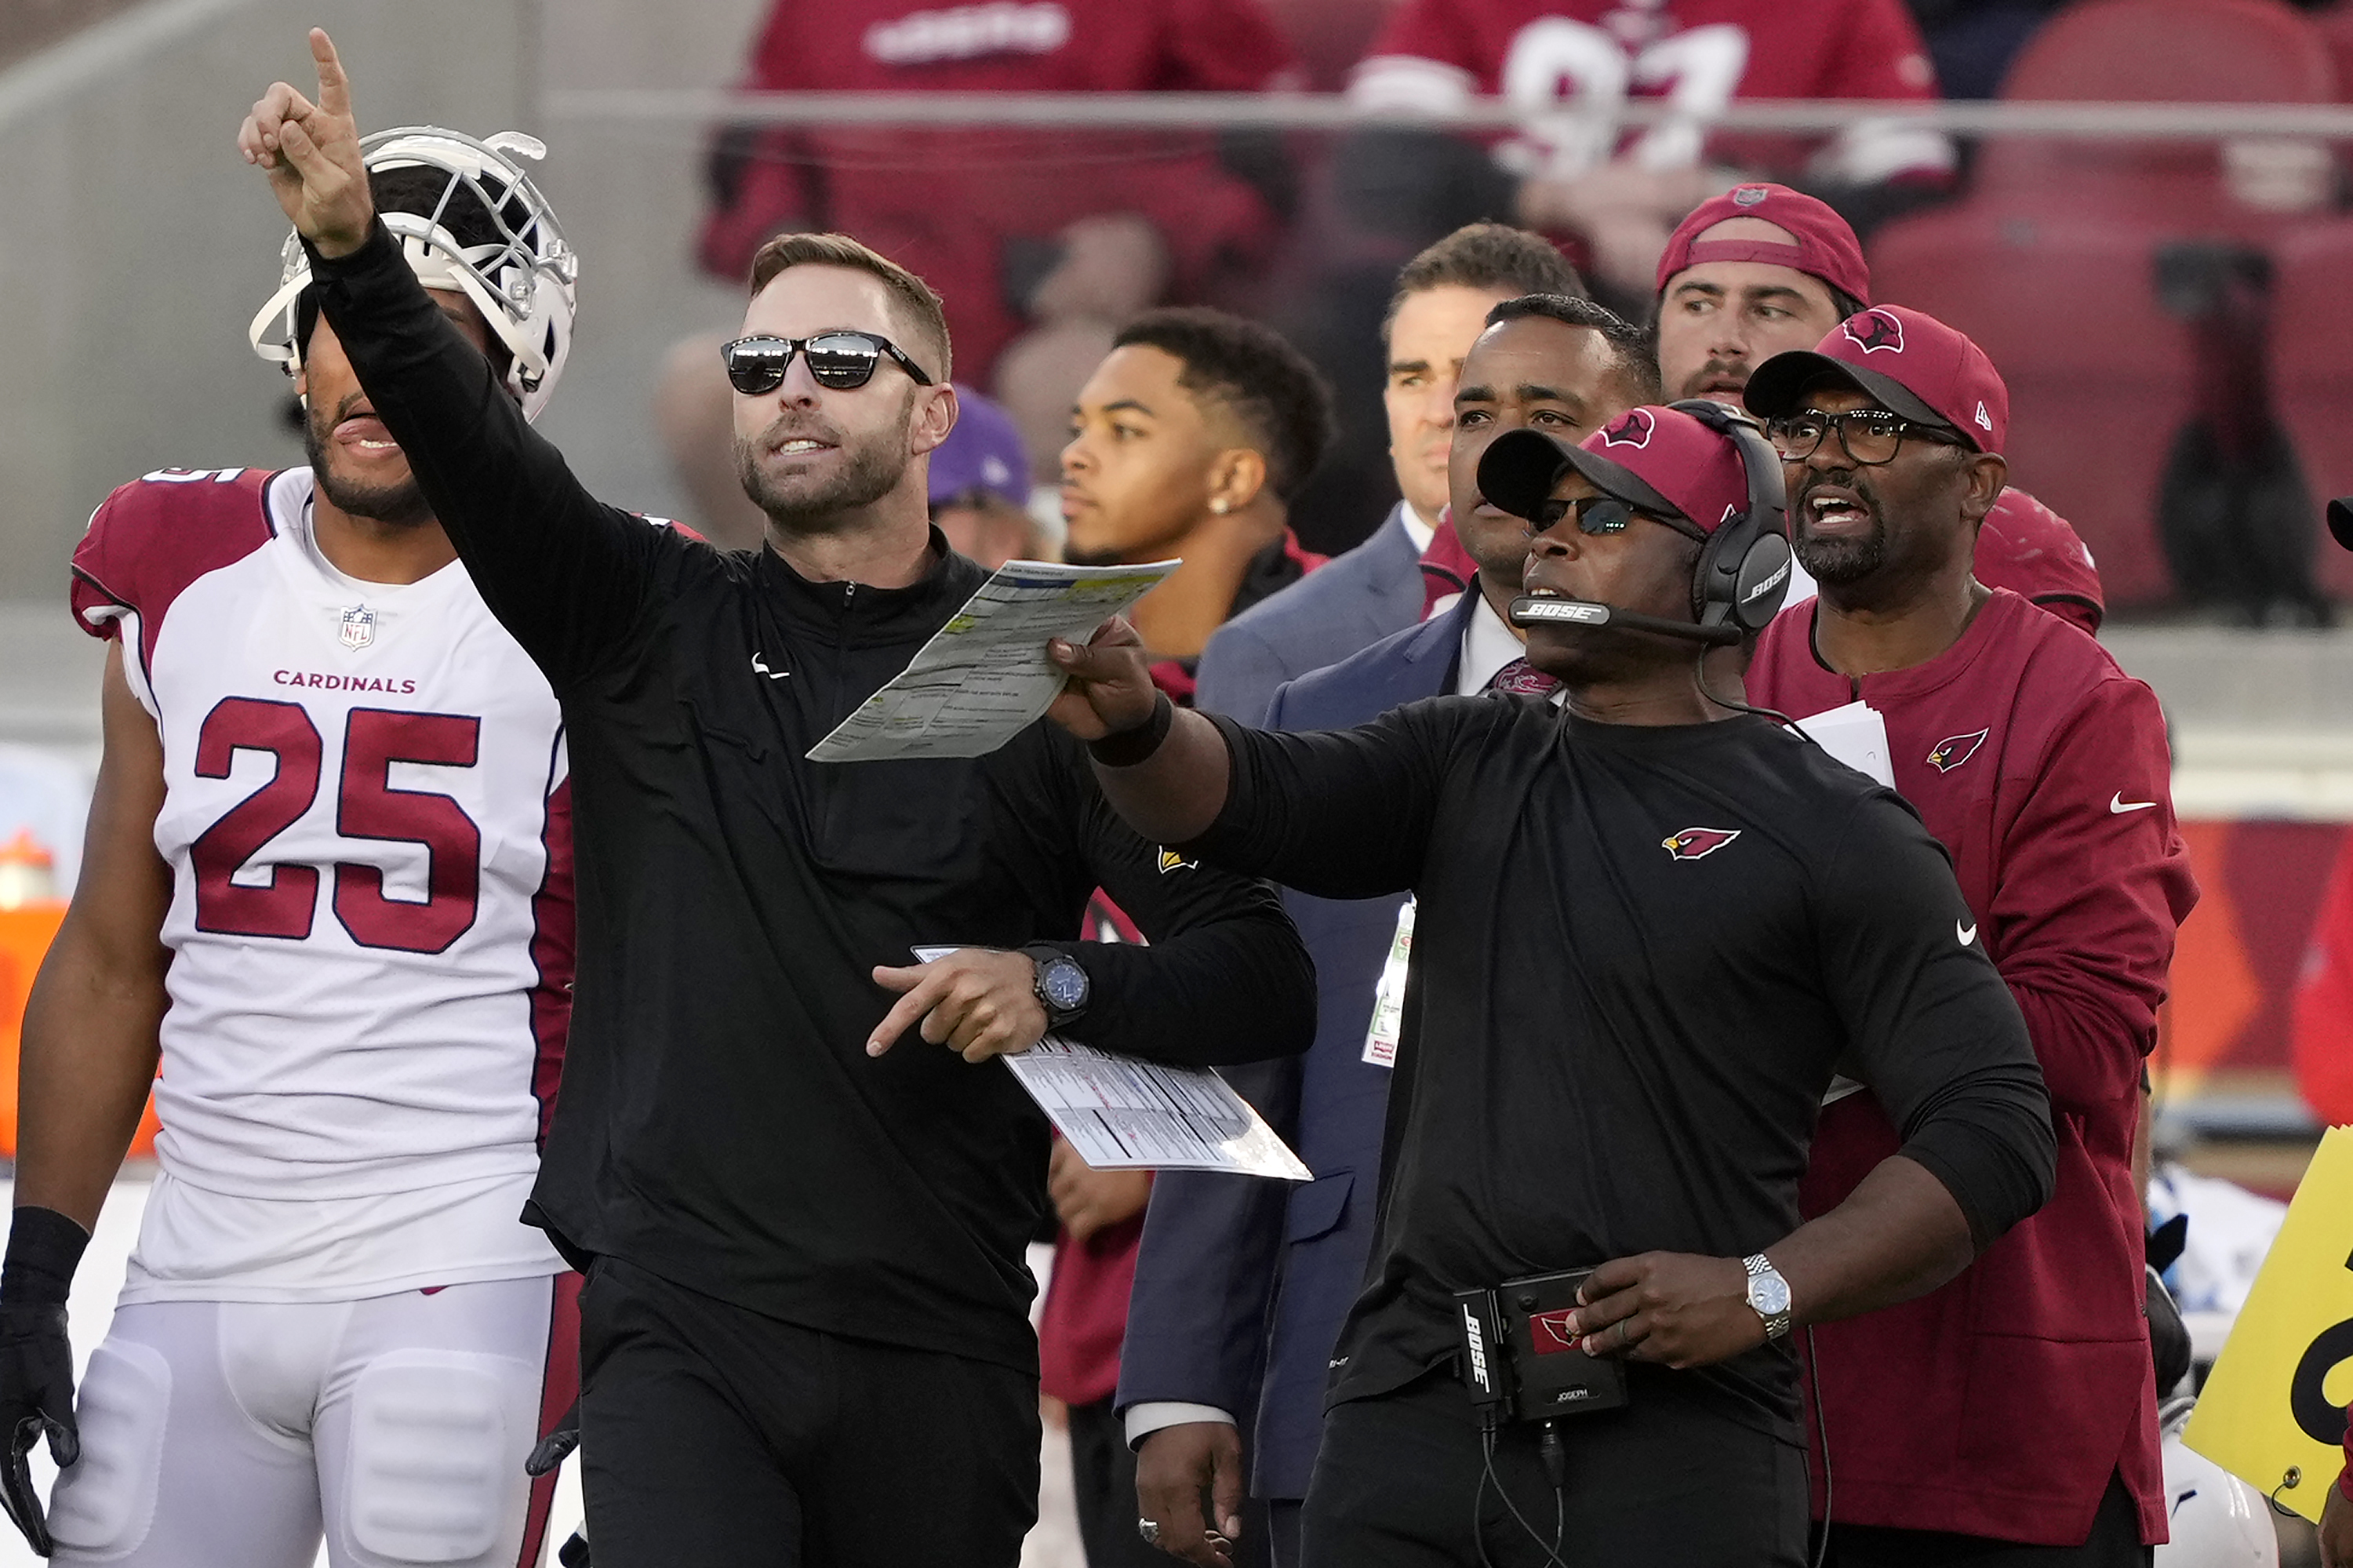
(984, 677)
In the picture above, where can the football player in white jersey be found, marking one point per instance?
(329, 881)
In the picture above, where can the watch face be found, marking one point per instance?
(1065, 983)
(1770, 1294)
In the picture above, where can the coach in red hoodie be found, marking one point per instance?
(2010, 1417)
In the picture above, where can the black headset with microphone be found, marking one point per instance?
(1743, 574)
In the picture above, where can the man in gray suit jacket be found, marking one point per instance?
(1440, 304)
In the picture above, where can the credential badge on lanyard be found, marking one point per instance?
(1389, 996)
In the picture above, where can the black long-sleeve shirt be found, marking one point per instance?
(719, 1122)
(1641, 954)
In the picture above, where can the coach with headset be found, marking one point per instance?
(1653, 928)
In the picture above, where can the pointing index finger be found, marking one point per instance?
(334, 87)
(907, 1011)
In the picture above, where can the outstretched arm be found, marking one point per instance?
(1163, 768)
(568, 577)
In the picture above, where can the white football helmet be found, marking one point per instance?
(524, 286)
(2217, 1520)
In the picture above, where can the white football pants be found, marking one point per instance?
(229, 1434)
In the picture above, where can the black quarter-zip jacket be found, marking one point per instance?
(720, 1123)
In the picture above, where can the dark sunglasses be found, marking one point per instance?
(1599, 515)
(1594, 514)
(842, 361)
(1869, 437)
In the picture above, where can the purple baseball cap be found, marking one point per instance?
(982, 455)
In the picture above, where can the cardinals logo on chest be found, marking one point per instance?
(1697, 843)
(1955, 749)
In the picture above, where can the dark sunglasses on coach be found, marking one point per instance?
(1594, 514)
(842, 361)
(1601, 514)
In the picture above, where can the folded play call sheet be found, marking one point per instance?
(1124, 1113)
(984, 677)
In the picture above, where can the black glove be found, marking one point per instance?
(556, 1446)
(36, 1386)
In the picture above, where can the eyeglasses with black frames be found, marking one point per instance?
(841, 361)
(1869, 437)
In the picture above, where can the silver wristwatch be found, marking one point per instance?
(1768, 1294)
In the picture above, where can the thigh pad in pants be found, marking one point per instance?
(428, 1474)
(105, 1505)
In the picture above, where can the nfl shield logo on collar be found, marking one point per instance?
(359, 627)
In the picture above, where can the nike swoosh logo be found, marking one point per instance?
(2118, 805)
(760, 667)
(1968, 934)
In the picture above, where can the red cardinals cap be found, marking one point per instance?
(1826, 247)
(2026, 547)
(1661, 460)
(1913, 363)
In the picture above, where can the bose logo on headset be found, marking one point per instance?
(1768, 585)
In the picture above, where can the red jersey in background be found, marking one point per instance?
(2000, 1405)
(1588, 56)
(970, 209)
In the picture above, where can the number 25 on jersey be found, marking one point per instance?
(368, 807)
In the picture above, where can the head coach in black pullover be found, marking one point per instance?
(804, 1335)
(1652, 928)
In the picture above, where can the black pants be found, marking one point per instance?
(1102, 1486)
(2114, 1542)
(1401, 1481)
(714, 1437)
(1283, 1531)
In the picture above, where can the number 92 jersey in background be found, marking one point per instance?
(371, 924)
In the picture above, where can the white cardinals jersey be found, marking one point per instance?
(367, 824)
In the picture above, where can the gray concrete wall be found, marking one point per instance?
(135, 245)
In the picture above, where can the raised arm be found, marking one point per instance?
(567, 575)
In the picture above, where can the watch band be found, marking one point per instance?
(1043, 955)
(1758, 1266)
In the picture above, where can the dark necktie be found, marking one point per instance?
(1521, 679)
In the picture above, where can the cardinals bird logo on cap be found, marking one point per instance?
(1697, 843)
(1875, 329)
(1955, 749)
(1632, 428)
